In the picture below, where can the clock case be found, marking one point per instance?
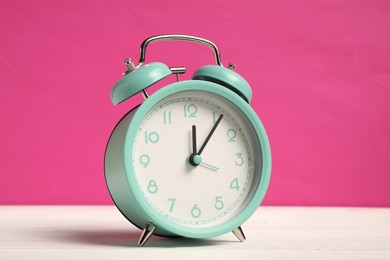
(121, 182)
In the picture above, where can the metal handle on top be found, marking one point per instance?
(179, 37)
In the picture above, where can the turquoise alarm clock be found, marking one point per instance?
(192, 160)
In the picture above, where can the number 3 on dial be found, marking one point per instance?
(239, 159)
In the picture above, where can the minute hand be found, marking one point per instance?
(210, 134)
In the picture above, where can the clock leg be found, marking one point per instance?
(239, 234)
(147, 232)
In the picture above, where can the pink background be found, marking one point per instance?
(320, 72)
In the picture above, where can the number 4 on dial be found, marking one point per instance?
(234, 185)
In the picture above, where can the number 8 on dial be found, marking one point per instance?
(193, 159)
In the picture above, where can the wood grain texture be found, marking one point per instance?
(77, 232)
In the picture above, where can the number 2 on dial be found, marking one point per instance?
(231, 134)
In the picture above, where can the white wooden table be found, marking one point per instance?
(100, 232)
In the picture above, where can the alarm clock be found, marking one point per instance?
(192, 160)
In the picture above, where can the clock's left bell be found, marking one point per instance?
(137, 79)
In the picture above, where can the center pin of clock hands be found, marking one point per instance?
(195, 158)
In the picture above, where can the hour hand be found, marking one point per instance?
(195, 158)
(194, 139)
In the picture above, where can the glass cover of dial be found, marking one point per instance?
(225, 175)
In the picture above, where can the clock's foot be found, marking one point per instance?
(147, 232)
(239, 234)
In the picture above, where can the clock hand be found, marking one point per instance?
(210, 134)
(194, 139)
(195, 158)
(210, 166)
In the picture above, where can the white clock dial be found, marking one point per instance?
(226, 172)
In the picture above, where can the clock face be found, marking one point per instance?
(222, 181)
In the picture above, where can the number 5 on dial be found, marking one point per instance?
(218, 203)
